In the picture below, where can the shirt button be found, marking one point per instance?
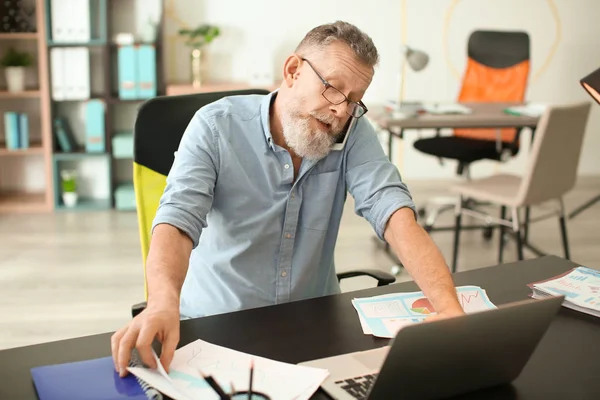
(293, 196)
(284, 274)
(288, 236)
(286, 166)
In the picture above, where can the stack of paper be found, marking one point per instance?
(580, 286)
(229, 368)
(384, 315)
(529, 110)
(446, 108)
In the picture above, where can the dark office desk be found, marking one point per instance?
(565, 365)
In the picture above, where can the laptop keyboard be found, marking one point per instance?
(357, 387)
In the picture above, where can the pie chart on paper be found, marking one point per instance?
(422, 306)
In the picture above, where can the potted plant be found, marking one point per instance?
(196, 39)
(14, 63)
(69, 187)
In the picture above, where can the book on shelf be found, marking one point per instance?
(64, 135)
(580, 286)
(16, 130)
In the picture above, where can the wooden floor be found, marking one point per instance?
(71, 274)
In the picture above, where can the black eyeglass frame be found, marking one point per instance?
(357, 105)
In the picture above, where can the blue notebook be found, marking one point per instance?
(88, 380)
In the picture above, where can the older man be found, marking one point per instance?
(253, 202)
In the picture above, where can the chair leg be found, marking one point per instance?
(526, 225)
(457, 228)
(517, 229)
(502, 230)
(563, 231)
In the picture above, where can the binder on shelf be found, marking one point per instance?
(23, 131)
(146, 71)
(65, 28)
(127, 72)
(77, 73)
(70, 73)
(16, 130)
(11, 130)
(59, 20)
(81, 24)
(94, 126)
(57, 73)
(64, 136)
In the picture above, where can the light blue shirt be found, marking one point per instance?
(259, 238)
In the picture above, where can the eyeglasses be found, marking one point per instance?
(335, 97)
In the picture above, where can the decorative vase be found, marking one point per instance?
(15, 78)
(196, 68)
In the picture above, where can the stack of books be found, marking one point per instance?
(16, 130)
(580, 286)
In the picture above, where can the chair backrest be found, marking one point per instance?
(159, 127)
(497, 71)
(555, 152)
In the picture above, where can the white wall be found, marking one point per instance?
(259, 34)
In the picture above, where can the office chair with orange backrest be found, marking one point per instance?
(159, 127)
(497, 70)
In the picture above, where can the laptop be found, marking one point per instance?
(444, 358)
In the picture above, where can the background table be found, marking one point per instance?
(564, 366)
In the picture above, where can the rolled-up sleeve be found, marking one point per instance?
(372, 180)
(189, 192)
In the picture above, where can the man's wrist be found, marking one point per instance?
(164, 298)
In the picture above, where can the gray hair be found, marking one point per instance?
(360, 43)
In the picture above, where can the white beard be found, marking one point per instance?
(301, 138)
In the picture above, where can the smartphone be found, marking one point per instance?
(341, 140)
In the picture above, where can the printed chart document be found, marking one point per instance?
(229, 367)
(384, 315)
(580, 286)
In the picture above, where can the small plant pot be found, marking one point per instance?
(15, 79)
(70, 199)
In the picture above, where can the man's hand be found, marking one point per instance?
(160, 322)
(456, 312)
(423, 260)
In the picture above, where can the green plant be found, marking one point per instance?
(69, 181)
(15, 58)
(202, 35)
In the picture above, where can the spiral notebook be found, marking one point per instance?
(90, 380)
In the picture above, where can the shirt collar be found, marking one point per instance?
(265, 117)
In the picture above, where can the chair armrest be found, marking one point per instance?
(138, 308)
(383, 278)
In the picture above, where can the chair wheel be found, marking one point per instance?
(488, 232)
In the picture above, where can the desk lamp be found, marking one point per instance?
(591, 84)
(416, 60)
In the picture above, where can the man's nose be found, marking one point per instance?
(339, 109)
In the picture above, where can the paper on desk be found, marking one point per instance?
(384, 315)
(184, 382)
(446, 108)
(529, 109)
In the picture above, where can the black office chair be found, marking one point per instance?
(159, 127)
(497, 71)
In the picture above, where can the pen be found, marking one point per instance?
(251, 379)
(213, 384)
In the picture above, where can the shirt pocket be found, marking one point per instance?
(318, 196)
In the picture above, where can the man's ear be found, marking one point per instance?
(290, 69)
